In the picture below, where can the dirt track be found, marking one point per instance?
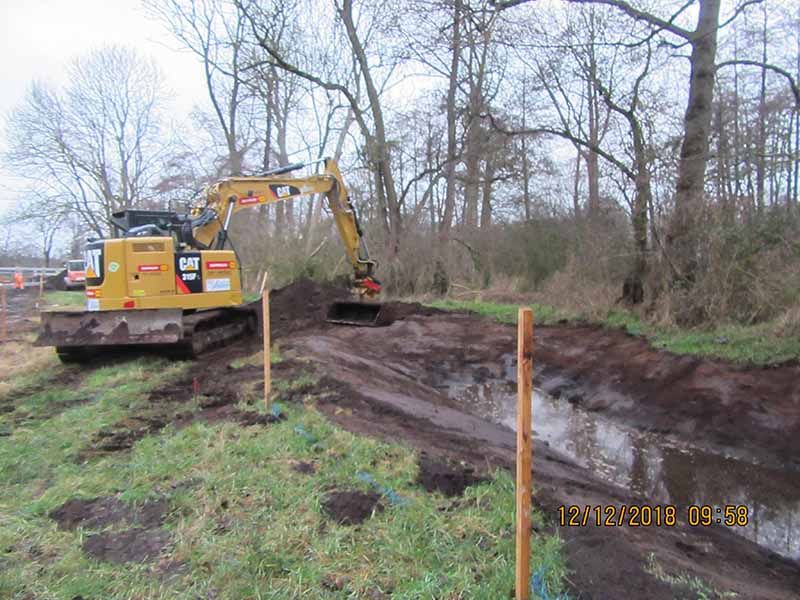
(396, 383)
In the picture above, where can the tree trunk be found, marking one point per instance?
(633, 288)
(761, 147)
(682, 241)
(592, 158)
(379, 148)
(486, 205)
(452, 88)
(472, 172)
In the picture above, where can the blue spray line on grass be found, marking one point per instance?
(540, 589)
(276, 411)
(309, 437)
(392, 496)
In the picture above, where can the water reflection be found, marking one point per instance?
(653, 466)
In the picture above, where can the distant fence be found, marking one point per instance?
(31, 274)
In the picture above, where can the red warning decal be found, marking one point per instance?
(252, 200)
(220, 265)
(182, 289)
(149, 268)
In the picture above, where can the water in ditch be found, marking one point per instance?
(653, 466)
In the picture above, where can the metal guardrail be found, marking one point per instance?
(46, 271)
(31, 275)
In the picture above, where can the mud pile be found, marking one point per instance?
(449, 479)
(145, 541)
(351, 507)
(304, 304)
(301, 305)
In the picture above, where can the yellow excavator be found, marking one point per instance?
(167, 279)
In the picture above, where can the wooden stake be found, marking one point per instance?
(267, 362)
(41, 285)
(3, 317)
(524, 451)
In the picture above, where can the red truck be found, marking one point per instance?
(75, 277)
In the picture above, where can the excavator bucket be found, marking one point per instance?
(360, 314)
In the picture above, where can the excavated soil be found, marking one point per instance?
(97, 513)
(132, 545)
(304, 467)
(142, 542)
(449, 479)
(351, 507)
(396, 383)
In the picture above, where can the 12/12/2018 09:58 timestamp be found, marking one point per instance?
(645, 515)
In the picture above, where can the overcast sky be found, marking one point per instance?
(39, 37)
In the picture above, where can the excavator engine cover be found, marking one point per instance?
(361, 314)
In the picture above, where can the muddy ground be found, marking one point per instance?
(393, 383)
(397, 383)
(21, 307)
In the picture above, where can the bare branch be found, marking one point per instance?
(631, 11)
(565, 135)
(768, 67)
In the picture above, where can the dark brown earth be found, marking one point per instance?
(389, 383)
(447, 478)
(386, 383)
(217, 399)
(143, 542)
(618, 374)
(307, 468)
(351, 507)
(132, 545)
(96, 513)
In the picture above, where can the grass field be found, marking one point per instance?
(755, 344)
(241, 521)
(76, 298)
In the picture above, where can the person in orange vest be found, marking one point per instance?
(19, 281)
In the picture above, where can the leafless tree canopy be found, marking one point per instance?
(648, 149)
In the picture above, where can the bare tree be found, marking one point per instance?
(215, 32)
(41, 216)
(96, 146)
(371, 120)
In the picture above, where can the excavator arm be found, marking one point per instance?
(209, 224)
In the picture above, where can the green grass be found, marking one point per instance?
(505, 313)
(76, 298)
(684, 583)
(755, 344)
(244, 524)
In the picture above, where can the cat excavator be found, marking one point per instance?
(167, 279)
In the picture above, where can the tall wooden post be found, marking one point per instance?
(267, 344)
(524, 451)
(4, 311)
(41, 285)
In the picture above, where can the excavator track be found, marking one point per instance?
(204, 330)
(79, 337)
